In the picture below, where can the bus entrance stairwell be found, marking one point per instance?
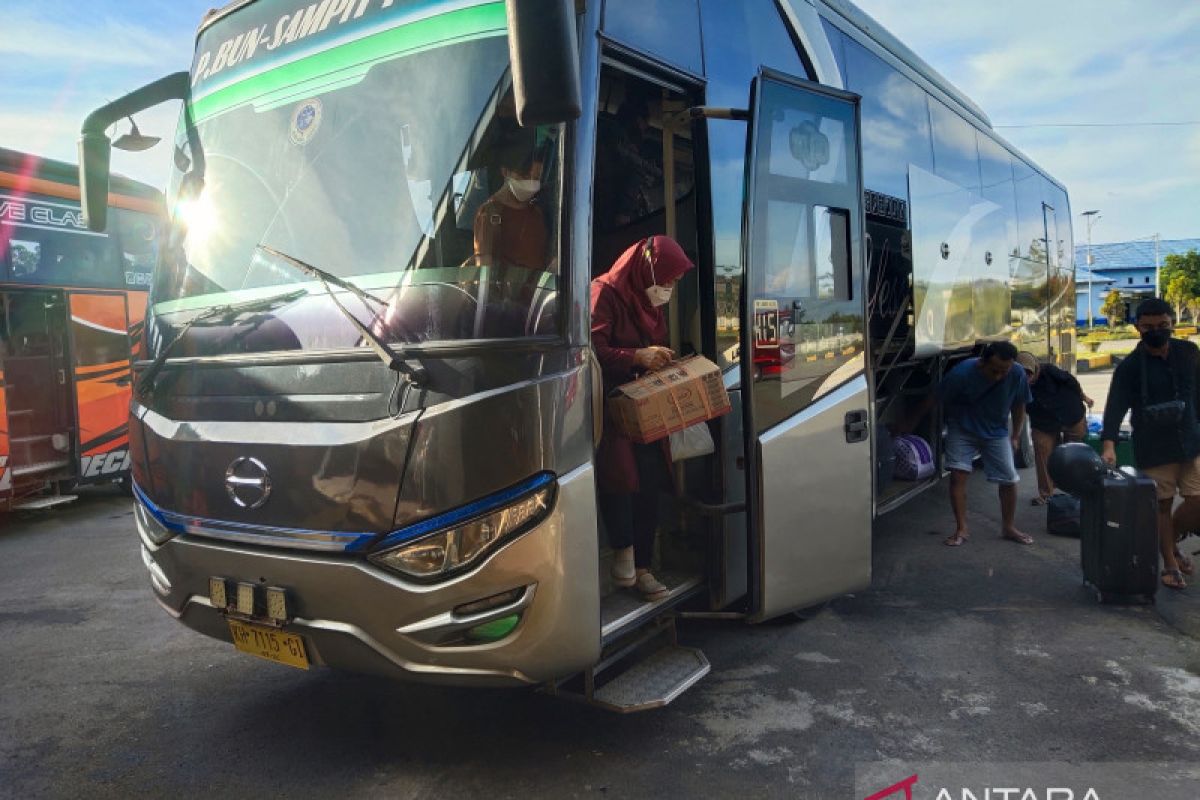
(806, 415)
(643, 161)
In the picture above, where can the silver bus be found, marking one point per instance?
(363, 437)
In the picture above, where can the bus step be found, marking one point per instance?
(40, 503)
(622, 610)
(33, 469)
(654, 681)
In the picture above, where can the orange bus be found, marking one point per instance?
(71, 309)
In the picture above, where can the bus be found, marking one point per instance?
(363, 434)
(71, 307)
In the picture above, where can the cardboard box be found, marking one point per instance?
(660, 403)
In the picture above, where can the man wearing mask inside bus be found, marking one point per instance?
(629, 337)
(510, 227)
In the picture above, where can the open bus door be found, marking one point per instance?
(806, 400)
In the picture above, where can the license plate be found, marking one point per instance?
(273, 645)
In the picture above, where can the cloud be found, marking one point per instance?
(106, 41)
(53, 134)
(1029, 61)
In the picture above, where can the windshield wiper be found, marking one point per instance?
(146, 383)
(414, 372)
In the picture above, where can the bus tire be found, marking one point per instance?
(127, 484)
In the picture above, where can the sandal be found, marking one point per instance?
(1185, 563)
(1177, 582)
(1018, 537)
(1040, 500)
(955, 540)
(650, 587)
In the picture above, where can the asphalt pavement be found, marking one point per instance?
(990, 652)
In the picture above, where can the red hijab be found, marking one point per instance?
(657, 260)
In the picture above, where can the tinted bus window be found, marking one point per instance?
(50, 246)
(1058, 199)
(955, 155)
(137, 235)
(751, 34)
(1031, 227)
(57, 258)
(666, 29)
(995, 168)
(837, 43)
(895, 122)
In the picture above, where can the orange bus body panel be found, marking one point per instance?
(100, 338)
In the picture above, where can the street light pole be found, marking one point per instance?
(1090, 216)
(1157, 286)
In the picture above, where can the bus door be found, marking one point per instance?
(100, 363)
(807, 410)
(36, 385)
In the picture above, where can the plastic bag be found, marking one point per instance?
(692, 441)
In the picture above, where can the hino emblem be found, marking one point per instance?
(247, 482)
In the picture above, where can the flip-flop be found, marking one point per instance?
(1019, 538)
(1177, 583)
(955, 540)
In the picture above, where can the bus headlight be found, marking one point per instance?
(454, 541)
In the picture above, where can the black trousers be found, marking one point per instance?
(632, 519)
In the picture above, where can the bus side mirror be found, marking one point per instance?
(95, 148)
(94, 153)
(545, 61)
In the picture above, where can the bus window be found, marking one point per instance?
(955, 154)
(669, 29)
(752, 34)
(895, 122)
(61, 258)
(26, 256)
(807, 310)
(137, 234)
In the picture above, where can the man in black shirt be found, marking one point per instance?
(1056, 414)
(1160, 381)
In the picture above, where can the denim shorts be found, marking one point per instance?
(962, 448)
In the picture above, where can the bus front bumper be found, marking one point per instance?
(355, 616)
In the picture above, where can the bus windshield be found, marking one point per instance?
(377, 142)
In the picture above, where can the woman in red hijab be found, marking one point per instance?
(629, 336)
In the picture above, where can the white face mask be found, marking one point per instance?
(658, 295)
(523, 189)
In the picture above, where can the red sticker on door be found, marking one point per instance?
(766, 324)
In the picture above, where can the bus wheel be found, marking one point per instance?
(127, 484)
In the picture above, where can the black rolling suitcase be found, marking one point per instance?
(1119, 538)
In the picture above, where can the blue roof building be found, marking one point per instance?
(1125, 266)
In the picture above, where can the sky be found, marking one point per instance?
(1112, 64)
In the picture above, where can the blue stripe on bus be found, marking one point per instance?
(460, 515)
(341, 541)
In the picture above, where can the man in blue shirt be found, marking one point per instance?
(977, 397)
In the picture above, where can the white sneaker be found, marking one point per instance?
(623, 572)
(651, 588)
